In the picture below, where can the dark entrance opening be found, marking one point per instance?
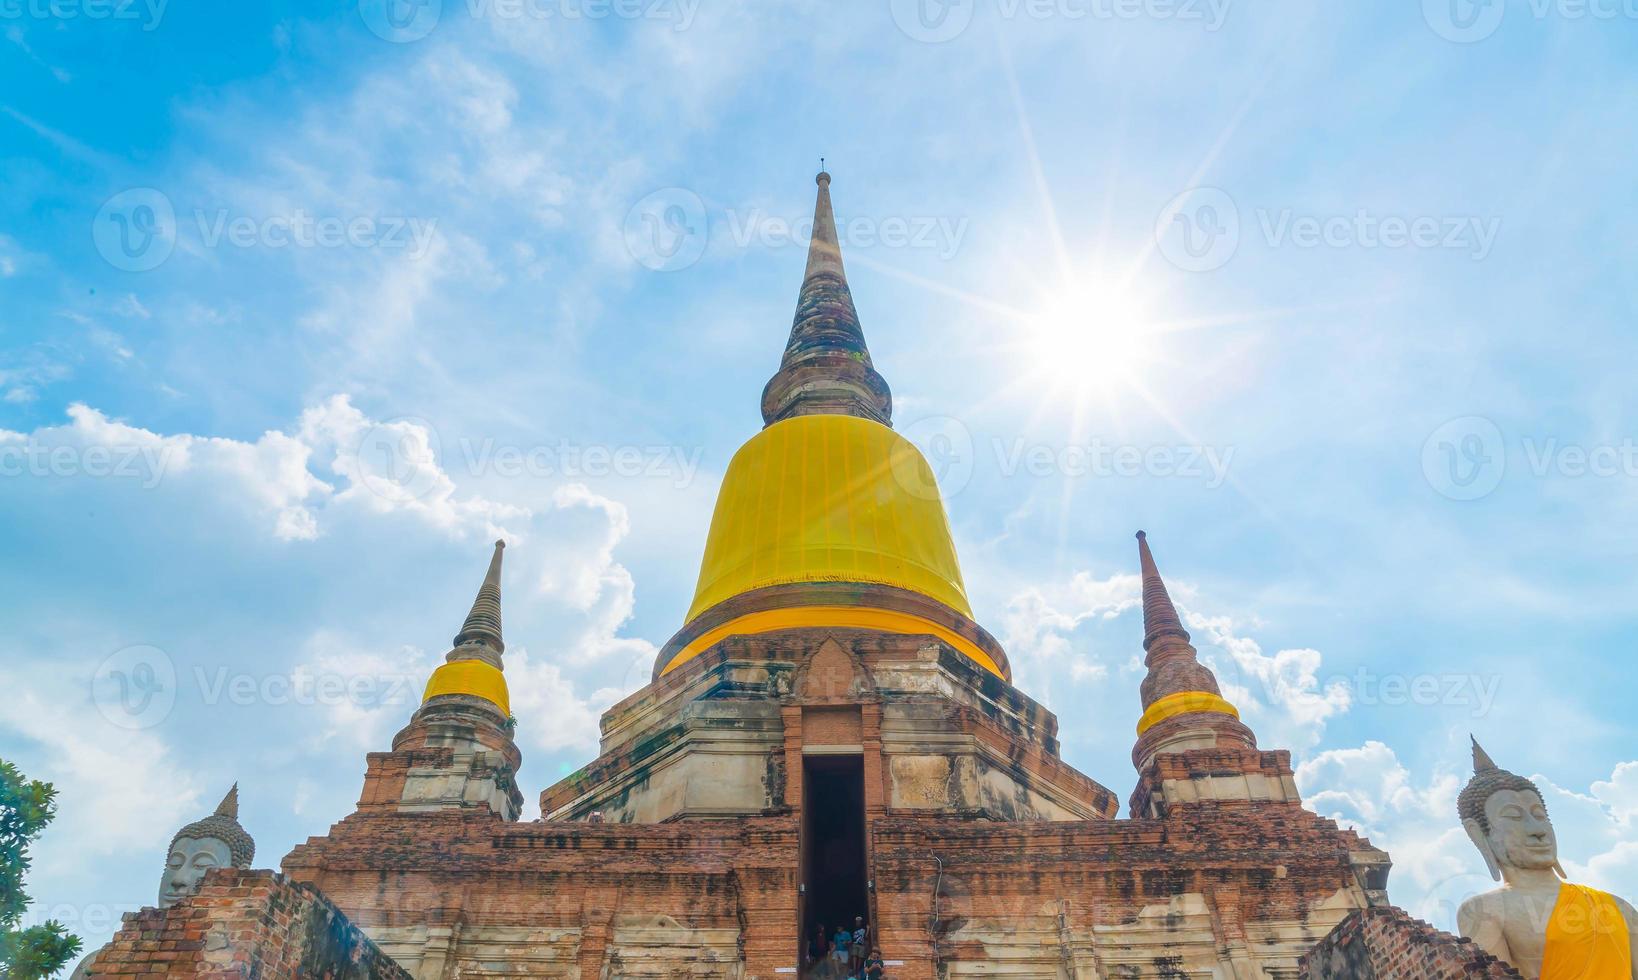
(833, 843)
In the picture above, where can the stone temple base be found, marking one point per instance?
(259, 924)
(1387, 944)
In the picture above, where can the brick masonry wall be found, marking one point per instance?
(399, 874)
(1251, 865)
(245, 924)
(1387, 944)
(996, 887)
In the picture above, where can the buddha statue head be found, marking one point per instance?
(214, 842)
(1506, 818)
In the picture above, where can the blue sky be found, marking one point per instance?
(300, 310)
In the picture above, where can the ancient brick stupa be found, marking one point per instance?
(829, 735)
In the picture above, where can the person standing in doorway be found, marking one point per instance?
(856, 952)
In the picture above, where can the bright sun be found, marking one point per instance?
(1094, 337)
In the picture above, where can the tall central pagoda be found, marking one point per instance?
(829, 735)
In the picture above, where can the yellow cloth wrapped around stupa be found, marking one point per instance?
(1587, 937)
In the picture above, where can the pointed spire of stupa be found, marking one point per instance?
(1182, 705)
(483, 623)
(1159, 615)
(473, 668)
(826, 369)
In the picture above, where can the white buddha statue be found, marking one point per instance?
(1547, 928)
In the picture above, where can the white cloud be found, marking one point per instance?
(393, 466)
(551, 716)
(131, 307)
(1279, 696)
(1041, 618)
(118, 791)
(1620, 793)
(361, 694)
(380, 467)
(269, 474)
(1367, 788)
(580, 570)
(1595, 830)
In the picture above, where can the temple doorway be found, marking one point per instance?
(833, 843)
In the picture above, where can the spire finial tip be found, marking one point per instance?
(1141, 535)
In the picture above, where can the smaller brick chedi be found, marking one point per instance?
(829, 735)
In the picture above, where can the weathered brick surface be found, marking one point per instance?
(1387, 944)
(1251, 864)
(397, 875)
(245, 924)
(966, 877)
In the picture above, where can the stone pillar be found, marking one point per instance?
(792, 717)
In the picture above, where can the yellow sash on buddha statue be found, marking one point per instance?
(1586, 937)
